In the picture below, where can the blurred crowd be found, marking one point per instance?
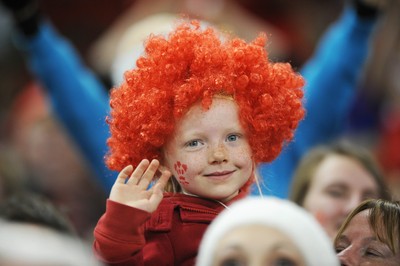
(38, 157)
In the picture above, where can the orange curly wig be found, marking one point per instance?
(193, 65)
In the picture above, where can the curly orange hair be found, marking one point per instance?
(193, 65)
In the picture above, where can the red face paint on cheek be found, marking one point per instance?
(181, 169)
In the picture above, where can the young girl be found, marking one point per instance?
(194, 117)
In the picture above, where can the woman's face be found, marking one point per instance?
(339, 184)
(256, 245)
(358, 245)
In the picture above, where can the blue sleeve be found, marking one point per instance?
(331, 79)
(78, 97)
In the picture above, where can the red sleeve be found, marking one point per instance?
(119, 235)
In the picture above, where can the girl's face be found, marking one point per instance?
(209, 154)
(339, 184)
(257, 245)
(358, 245)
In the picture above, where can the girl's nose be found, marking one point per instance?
(218, 154)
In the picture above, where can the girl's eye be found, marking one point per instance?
(232, 137)
(193, 143)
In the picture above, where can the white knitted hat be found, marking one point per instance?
(285, 216)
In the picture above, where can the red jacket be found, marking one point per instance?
(169, 236)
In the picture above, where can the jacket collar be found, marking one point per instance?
(191, 209)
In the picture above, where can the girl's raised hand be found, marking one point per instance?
(131, 187)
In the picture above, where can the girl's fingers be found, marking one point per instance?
(149, 174)
(124, 174)
(137, 174)
(158, 189)
(163, 180)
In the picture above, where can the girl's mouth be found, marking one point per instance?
(220, 175)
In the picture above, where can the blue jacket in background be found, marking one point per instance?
(331, 78)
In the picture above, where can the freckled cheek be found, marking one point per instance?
(242, 156)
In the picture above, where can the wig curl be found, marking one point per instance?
(193, 65)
